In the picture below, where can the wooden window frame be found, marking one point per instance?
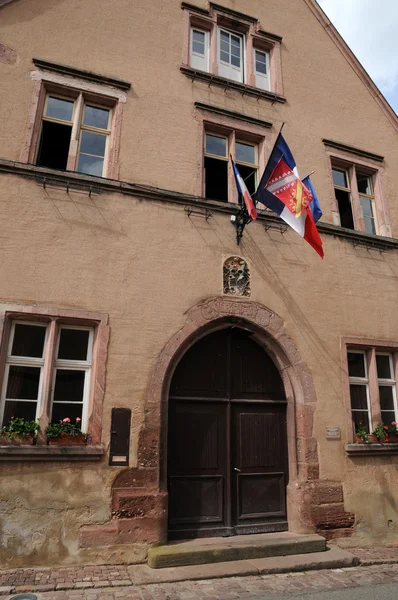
(370, 348)
(207, 46)
(77, 127)
(232, 136)
(55, 320)
(67, 87)
(344, 162)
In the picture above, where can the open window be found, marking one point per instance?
(66, 119)
(343, 196)
(216, 167)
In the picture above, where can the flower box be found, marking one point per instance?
(17, 440)
(392, 438)
(67, 439)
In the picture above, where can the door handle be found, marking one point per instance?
(236, 469)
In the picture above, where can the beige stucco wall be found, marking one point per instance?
(146, 263)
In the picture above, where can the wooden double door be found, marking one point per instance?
(227, 446)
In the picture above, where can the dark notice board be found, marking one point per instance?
(120, 437)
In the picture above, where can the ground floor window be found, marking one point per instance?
(373, 385)
(50, 367)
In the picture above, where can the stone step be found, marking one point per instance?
(243, 547)
(331, 559)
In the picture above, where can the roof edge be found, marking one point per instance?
(353, 61)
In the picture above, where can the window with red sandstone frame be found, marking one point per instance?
(232, 45)
(66, 356)
(373, 386)
(65, 118)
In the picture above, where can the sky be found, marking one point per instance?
(370, 28)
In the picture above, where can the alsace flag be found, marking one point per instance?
(240, 184)
(286, 186)
(304, 224)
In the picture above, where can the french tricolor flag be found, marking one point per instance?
(251, 209)
(304, 224)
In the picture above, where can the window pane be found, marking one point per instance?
(386, 397)
(91, 165)
(339, 178)
(93, 143)
(28, 340)
(96, 117)
(23, 382)
(387, 417)
(356, 364)
(235, 60)
(367, 207)
(245, 153)
(261, 62)
(370, 226)
(364, 183)
(69, 385)
(358, 396)
(20, 410)
(216, 145)
(361, 417)
(383, 366)
(224, 56)
(64, 410)
(198, 42)
(73, 344)
(59, 109)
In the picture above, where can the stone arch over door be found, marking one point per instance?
(139, 494)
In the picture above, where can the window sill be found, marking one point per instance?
(51, 453)
(371, 449)
(231, 85)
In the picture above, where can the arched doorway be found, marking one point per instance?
(227, 439)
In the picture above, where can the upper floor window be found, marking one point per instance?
(262, 69)
(199, 49)
(65, 119)
(355, 198)
(217, 149)
(232, 45)
(230, 55)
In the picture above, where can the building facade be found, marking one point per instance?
(219, 385)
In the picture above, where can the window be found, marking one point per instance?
(230, 55)
(217, 150)
(246, 160)
(65, 119)
(199, 49)
(366, 198)
(65, 357)
(373, 386)
(262, 70)
(231, 45)
(359, 389)
(355, 198)
(343, 197)
(216, 167)
(387, 387)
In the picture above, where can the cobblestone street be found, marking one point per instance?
(113, 583)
